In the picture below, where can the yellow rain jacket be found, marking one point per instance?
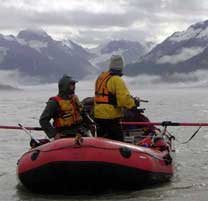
(116, 86)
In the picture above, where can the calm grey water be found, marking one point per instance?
(190, 181)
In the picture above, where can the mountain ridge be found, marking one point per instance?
(35, 53)
(182, 52)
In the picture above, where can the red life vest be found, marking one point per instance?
(102, 94)
(69, 112)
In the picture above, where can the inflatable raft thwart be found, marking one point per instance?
(95, 164)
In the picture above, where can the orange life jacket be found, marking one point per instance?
(102, 94)
(69, 112)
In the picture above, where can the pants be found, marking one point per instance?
(109, 128)
(72, 131)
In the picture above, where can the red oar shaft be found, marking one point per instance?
(141, 123)
(193, 124)
(17, 127)
(165, 123)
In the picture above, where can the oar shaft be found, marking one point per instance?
(193, 124)
(141, 123)
(165, 123)
(19, 128)
(144, 101)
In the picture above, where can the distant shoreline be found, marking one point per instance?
(8, 88)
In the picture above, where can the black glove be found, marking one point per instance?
(137, 101)
(93, 129)
(34, 143)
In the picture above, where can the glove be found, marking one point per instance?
(137, 101)
(93, 129)
(34, 143)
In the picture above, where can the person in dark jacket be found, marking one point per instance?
(111, 96)
(69, 117)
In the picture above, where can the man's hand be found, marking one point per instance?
(93, 129)
(137, 101)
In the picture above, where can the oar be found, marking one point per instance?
(143, 101)
(28, 132)
(164, 123)
(19, 128)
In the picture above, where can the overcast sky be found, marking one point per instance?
(90, 22)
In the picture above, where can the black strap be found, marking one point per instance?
(191, 136)
(185, 142)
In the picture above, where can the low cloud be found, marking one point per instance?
(183, 55)
(198, 78)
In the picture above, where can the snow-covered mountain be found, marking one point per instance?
(184, 51)
(130, 50)
(35, 53)
(181, 46)
(78, 50)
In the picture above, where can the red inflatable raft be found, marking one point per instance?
(88, 164)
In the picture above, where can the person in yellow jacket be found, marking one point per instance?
(111, 96)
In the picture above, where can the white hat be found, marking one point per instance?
(116, 63)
